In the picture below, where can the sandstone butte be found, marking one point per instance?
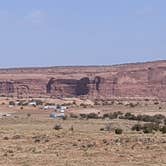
(138, 80)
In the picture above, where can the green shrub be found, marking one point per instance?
(136, 127)
(118, 131)
(92, 116)
(102, 129)
(130, 116)
(83, 116)
(113, 115)
(147, 130)
(165, 121)
(73, 115)
(156, 103)
(163, 129)
(132, 105)
(145, 118)
(57, 127)
(150, 127)
(105, 116)
(11, 103)
(28, 115)
(83, 105)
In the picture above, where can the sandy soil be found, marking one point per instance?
(31, 140)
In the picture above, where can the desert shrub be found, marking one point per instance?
(105, 116)
(156, 118)
(145, 118)
(121, 117)
(11, 103)
(119, 113)
(83, 116)
(156, 103)
(28, 115)
(150, 127)
(83, 105)
(165, 121)
(49, 104)
(113, 115)
(136, 127)
(6, 138)
(64, 117)
(92, 116)
(57, 127)
(159, 116)
(73, 116)
(163, 129)
(154, 126)
(102, 129)
(21, 108)
(139, 117)
(105, 103)
(19, 103)
(96, 103)
(132, 105)
(118, 131)
(130, 116)
(146, 128)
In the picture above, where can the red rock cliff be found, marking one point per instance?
(145, 80)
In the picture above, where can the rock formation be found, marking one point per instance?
(141, 80)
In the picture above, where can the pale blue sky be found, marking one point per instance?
(81, 32)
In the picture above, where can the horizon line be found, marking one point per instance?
(69, 66)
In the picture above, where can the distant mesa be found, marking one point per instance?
(140, 80)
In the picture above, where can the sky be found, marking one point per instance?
(81, 32)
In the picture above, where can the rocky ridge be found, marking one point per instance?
(139, 80)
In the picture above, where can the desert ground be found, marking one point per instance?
(28, 136)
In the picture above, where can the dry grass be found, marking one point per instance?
(32, 140)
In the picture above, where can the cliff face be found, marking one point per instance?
(146, 80)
